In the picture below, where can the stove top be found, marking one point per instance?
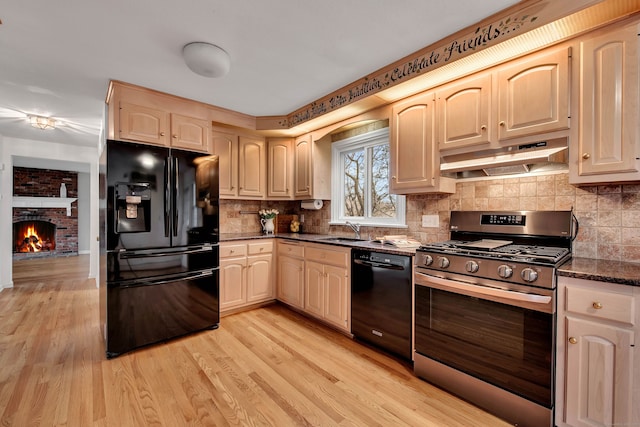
(484, 248)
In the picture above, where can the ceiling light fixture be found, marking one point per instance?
(42, 122)
(206, 59)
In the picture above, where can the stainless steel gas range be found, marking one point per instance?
(485, 310)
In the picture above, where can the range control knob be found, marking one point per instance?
(443, 262)
(505, 271)
(529, 275)
(427, 259)
(471, 266)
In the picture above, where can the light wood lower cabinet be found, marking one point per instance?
(598, 378)
(328, 284)
(290, 282)
(246, 273)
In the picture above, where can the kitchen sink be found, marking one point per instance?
(341, 239)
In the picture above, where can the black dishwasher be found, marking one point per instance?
(381, 300)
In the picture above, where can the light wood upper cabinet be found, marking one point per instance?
(225, 145)
(242, 164)
(596, 361)
(414, 162)
(464, 113)
(143, 124)
(608, 133)
(302, 167)
(280, 168)
(533, 95)
(189, 133)
(252, 174)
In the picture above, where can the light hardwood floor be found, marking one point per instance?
(265, 367)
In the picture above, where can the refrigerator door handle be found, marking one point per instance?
(167, 190)
(151, 253)
(162, 280)
(174, 199)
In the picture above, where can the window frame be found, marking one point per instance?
(363, 141)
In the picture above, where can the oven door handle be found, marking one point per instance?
(478, 290)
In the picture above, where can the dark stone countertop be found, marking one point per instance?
(320, 238)
(625, 273)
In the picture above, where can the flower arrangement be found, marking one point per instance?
(268, 213)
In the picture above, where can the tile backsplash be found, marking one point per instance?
(609, 215)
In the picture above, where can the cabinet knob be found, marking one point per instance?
(483, 127)
(573, 340)
(586, 156)
(597, 305)
(161, 133)
(175, 136)
(393, 177)
(501, 123)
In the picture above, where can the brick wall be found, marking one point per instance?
(46, 183)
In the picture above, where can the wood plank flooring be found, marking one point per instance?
(266, 367)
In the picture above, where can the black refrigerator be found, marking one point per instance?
(159, 244)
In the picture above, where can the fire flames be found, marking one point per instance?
(31, 241)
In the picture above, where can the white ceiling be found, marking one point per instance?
(56, 58)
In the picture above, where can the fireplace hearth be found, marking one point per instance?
(32, 236)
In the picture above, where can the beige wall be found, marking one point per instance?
(609, 215)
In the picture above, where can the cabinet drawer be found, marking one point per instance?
(227, 251)
(325, 256)
(260, 248)
(603, 305)
(291, 250)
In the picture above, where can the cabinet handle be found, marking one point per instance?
(586, 156)
(597, 305)
(483, 127)
(501, 123)
(175, 136)
(393, 177)
(573, 340)
(161, 133)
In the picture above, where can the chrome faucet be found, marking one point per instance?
(355, 228)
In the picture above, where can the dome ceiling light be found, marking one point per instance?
(206, 59)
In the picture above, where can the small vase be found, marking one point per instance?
(267, 225)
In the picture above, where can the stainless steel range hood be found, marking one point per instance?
(540, 156)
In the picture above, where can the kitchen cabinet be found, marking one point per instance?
(414, 162)
(290, 276)
(303, 167)
(327, 289)
(280, 168)
(533, 95)
(607, 135)
(242, 164)
(464, 114)
(246, 273)
(597, 382)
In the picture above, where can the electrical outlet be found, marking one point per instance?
(430, 221)
(301, 218)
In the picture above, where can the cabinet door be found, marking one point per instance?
(252, 162)
(464, 114)
(413, 160)
(233, 286)
(336, 304)
(144, 124)
(259, 278)
(290, 287)
(190, 133)
(314, 288)
(302, 172)
(534, 95)
(280, 168)
(225, 145)
(598, 374)
(608, 139)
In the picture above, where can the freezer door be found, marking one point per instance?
(148, 312)
(194, 194)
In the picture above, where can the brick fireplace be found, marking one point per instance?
(42, 227)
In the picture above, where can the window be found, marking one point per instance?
(360, 184)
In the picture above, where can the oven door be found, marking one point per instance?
(501, 337)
